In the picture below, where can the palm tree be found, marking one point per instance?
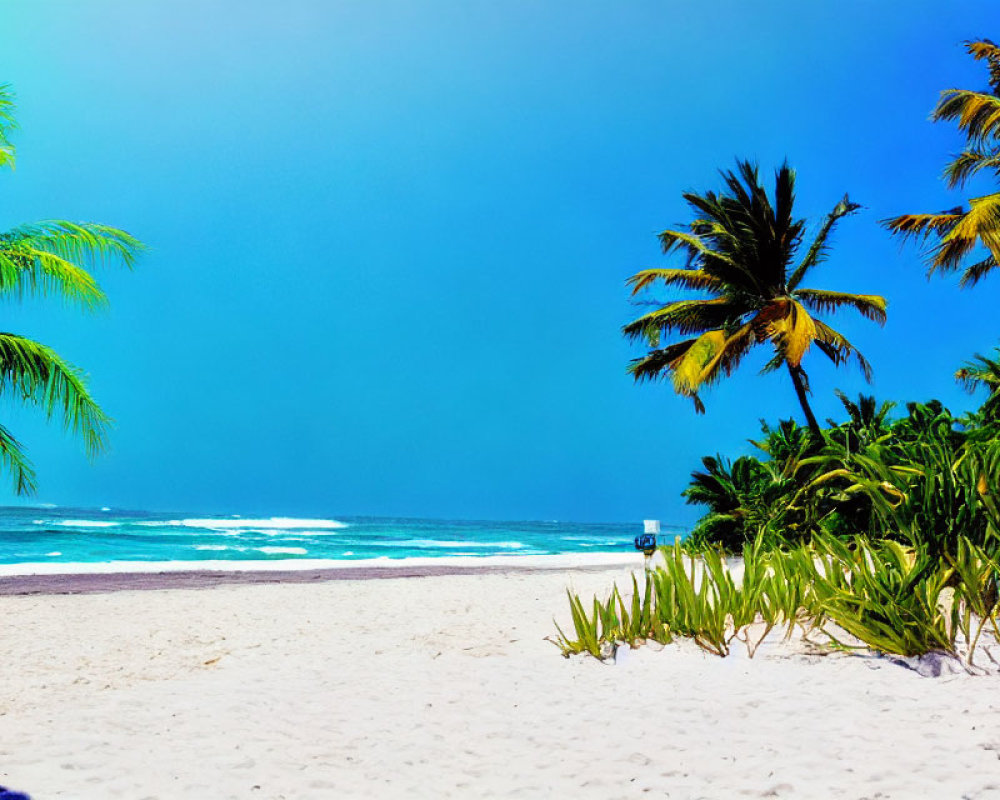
(983, 373)
(51, 258)
(959, 231)
(742, 249)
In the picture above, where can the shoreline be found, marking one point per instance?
(86, 578)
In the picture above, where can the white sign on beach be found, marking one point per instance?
(651, 526)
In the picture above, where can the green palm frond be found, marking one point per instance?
(87, 243)
(7, 125)
(818, 250)
(39, 376)
(870, 306)
(682, 316)
(26, 270)
(685, 278)
(657, 363)
(983, 372)
(46, 258)
(17, 464)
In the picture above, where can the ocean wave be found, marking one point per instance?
(292, 551)
(445, 543)
(211, 547)
(265, 525)
(77, 523)
(594, 539)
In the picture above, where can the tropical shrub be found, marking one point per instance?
(892, 598)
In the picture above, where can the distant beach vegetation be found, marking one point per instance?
(881, 530)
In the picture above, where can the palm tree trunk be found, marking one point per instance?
(800, 390)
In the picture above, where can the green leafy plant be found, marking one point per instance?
(51, 258)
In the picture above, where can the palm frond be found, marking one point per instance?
(985, 50)
(41, 377)
(977, 114)
(17, 464)
(976, 272)
(687, 372)
(683, 316)
(729, 355)
(656, 363)
(695, 246)
(89, 244)
(7, 126)
(870, 306)
(923, 226)
(793, 334)
(818, 250)
(26, 270)
(968, 163)
(836, 347)
(685, 278)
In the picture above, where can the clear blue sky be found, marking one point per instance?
(388, 240)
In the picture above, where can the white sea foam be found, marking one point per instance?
(211, 547)
(78, 523)
(444, 543)
(630, 560)
(292, 551)
(54, 553)
(265, 525)
(105, 508)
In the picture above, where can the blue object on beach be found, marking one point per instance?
(644, 541)
(10, 794)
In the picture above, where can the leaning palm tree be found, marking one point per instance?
(743, 250)
(50, 258)
(966, 239)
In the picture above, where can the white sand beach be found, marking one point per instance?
(444, 686)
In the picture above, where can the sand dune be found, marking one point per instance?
(444, 687)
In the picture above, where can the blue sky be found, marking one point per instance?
(388, 241)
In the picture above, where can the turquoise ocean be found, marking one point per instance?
(76, 535)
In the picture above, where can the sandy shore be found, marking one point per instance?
(443, 686)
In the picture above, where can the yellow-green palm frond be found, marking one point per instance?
(683, 316)
(968, 163)
(979, 225)
(686, 278)
(728, 355)
(985, 50)
(793, 333)
(836, 347)
(923, 226)
(7, 125)
(17, 464)
(818, 250)
(977, 114)
(39, 376)
(85, 243)
(49, 258)
(661, 362)
(695, 246)
(687, 371)
(26, 270)
(870, 306)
